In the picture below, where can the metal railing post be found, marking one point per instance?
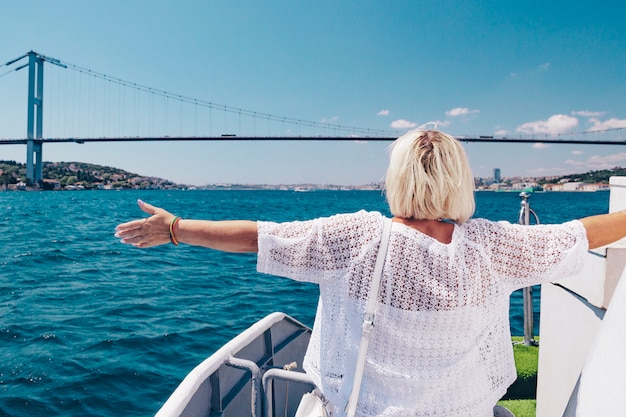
(524, 219)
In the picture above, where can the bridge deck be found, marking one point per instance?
(232, 138)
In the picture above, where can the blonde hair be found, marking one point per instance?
(429, 177)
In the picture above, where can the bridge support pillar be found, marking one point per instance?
(34, 129)
(34, 160)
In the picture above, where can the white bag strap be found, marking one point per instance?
(368, 320)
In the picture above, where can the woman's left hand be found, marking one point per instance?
(148, 232)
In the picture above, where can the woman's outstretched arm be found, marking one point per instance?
(227, 235)
(605, 228)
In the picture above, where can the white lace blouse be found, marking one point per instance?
(441, 345)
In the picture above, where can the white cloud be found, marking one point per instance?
(540, 145)
(556, 124)
(461, 111)
(501, 132)
(333, 119)
(545, 66)
(403, 124)
(587, 113)
(577, 152)
(383, 113)
(435, 124)
(597, 162)
(606, 124)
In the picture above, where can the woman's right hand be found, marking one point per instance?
(148, 232)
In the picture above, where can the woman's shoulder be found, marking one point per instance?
(479, 222)
(357, 225)
(479, 229)
(339, 220)
(359, 216)
(357, 219)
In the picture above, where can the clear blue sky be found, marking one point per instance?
(474, 68)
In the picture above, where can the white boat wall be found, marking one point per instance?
(256, 374)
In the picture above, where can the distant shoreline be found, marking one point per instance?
(71, 176)
(292, 188)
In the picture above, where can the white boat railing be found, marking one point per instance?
(529, 323)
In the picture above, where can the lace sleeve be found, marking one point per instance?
(316, 249)
(530, 255)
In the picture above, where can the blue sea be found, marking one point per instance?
(91, 327)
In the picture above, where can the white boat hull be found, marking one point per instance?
(246, 377)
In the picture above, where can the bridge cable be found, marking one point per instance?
(229, 109)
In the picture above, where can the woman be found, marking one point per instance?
(441, 346)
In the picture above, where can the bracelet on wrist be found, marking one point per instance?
(173, 223)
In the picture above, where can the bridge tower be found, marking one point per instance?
(34, 129)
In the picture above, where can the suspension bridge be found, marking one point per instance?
(89, 106)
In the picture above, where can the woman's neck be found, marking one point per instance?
(439, 230)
